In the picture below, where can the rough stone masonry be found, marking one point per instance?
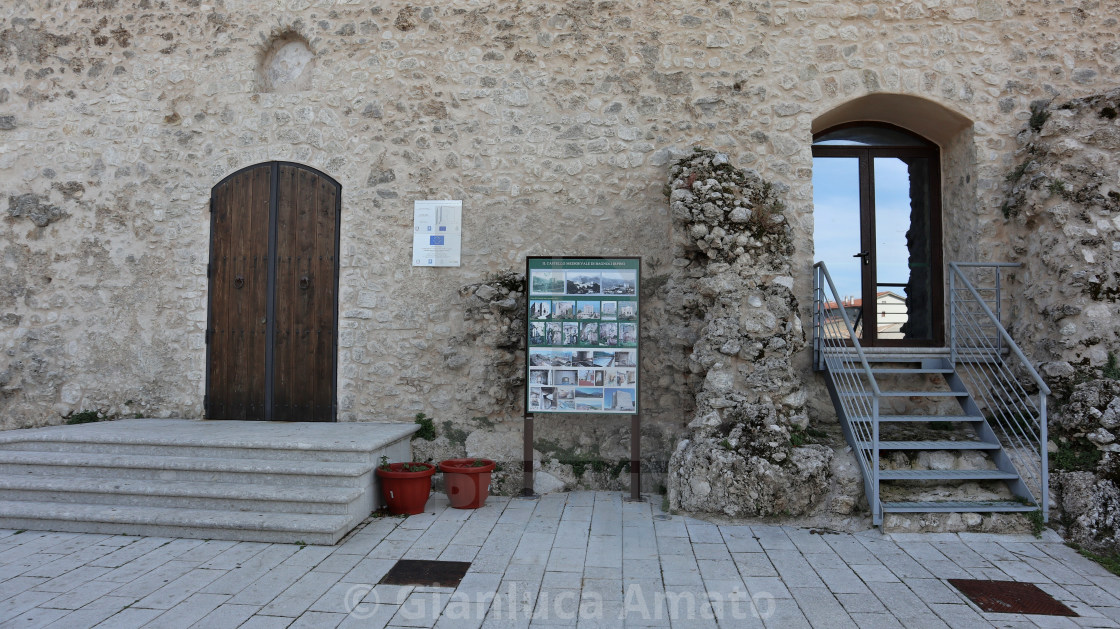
(555, 122)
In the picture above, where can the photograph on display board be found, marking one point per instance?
(566, 398)
(620, 283)
(589, 403)
(564, 377)
(548, 398)
(603, 359)
(583, 358)
(621, 400)
(624, 359)
(538, 376)
(564, 309)
(537, 334)
(587, 309)
(534, 398)
(628, 334)
(608, 334)
(540, 309)
(555, 334)
(590, 377)
(589, 333)
(561, 358)
(627, 310)
(540, 357)
(619, 377)
(608, 310)
(583, 282)
(571, 333)
(546, 282)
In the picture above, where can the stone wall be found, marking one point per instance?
(740, 457)
(555, 122)
(1062, 213)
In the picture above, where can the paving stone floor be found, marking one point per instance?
(583, 559)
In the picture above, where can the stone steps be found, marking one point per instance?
(198, 451)
(258, 481)
(964, 461)
(180, 468)
(175, 522)
(186, 494)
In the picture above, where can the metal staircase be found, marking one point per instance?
(979, 395)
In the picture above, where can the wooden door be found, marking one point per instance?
(273, 295)
(307, 237)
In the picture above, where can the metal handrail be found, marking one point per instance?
(1010, 406)
(851, 331)
(834, 352)
(955, 266)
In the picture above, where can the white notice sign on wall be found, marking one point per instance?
(437, 233)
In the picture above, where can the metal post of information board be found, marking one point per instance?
(527, 459)
(635, 458)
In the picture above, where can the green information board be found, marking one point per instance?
(584, 320)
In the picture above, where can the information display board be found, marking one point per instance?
(437, 232)
(583, 326)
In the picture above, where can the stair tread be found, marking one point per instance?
(179, 489)
(946, 475)
(925, 506)
(921, 418)
(896, 370)
(933, 445)
(906, 393)
(164, 516)
(182, 463)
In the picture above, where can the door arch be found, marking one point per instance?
(272, 321)
(877, 223)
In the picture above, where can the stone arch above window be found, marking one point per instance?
(923, 117)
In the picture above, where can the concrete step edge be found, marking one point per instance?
(171, 463)
(181, 489)
(188, 518)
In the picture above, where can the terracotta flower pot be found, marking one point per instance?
(467, 481)
(405, 490)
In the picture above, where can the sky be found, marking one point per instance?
(836, 235)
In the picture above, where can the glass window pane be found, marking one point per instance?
(836, 228)
(903, 254)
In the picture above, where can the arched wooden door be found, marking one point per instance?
(273, 316)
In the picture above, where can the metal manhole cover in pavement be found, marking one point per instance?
(426, 572)
(1011, 597)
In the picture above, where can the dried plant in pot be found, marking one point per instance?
(467, 481)
(405, 486)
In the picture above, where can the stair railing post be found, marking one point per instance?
(999, 317)
(818, 305)
(952, 316)
(1042, 456)
(876, 506)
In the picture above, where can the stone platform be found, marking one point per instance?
(231, 480)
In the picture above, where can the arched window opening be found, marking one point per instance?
(877, 224)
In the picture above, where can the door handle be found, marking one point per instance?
(866, 255)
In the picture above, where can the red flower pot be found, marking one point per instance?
(467, 481)
(406, 492)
